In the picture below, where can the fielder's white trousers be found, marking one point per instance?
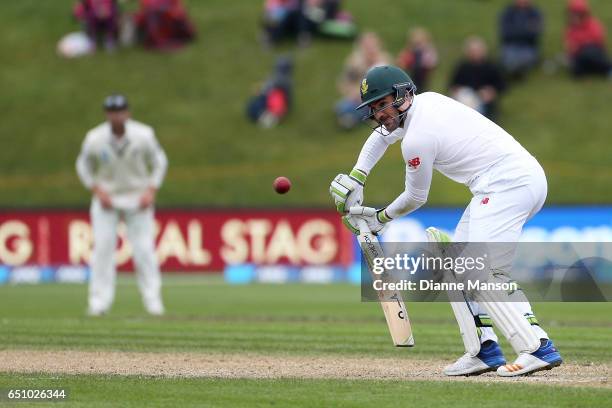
(140, 233)
(507, 197)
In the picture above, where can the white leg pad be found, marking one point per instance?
(467, 327)
(513, 325)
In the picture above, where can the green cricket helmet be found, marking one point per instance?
(385, 80)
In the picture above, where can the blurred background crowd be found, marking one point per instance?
(479, 79)
(153, 24)
(240, 91)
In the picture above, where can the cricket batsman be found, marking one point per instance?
(123, 165)
(508, 186)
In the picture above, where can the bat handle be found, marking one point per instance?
(363, 226)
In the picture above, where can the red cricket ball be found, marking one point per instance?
(281, 185)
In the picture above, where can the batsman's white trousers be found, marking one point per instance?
(140, 233)
(504, 199)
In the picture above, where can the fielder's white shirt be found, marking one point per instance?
(442, 134)
(123, 167)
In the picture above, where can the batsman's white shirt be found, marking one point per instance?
(508, 186)
(442, 134)
(123, 167)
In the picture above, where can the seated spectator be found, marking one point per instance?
(584, 41)
(100, 19)
(274, 100)
(163, 24)
(477, 81)
(367, 53)
(326, 18)
(283, 19)
(321, 10)
(520, 30)
(419, 57)
(302, 19)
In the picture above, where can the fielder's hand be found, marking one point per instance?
(376, 219)
(148, 198)
(104, 197)
(347, 190)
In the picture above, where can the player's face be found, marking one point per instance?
(117, 118)
(385, 113)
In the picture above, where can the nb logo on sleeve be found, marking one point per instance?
(413, 164)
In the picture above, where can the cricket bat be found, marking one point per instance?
(391, 301)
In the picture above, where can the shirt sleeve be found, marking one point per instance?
(85, 165)
(505, 25)
(419, 154)
(496, 78)
(158, 161)
(598, 32)
(373, 150)
(458, 76)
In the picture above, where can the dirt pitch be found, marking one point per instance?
(274, 367)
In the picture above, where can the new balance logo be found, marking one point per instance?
(414, 163)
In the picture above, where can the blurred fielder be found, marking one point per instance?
(508, 187)
(123, 165)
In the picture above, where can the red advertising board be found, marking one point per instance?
(186, 240)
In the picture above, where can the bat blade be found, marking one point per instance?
(392, 303)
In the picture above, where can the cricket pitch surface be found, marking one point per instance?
(253, 366)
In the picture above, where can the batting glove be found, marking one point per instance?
(347, 190)
(376, 219)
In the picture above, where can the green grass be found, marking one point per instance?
(195, 98)
(208, 316)
(109, 391)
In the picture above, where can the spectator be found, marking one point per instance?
(520, 30)
(283, 19)
(326, 18)
(419, 57)
(367, 53)
(322, 10)
(163, 24)
(304, 18)
(477, 81)
(584, 41)
(273, 101)
(100, 19)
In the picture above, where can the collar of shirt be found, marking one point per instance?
(119, 143)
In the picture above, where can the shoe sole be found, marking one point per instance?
(547, 367)
(475, 373)
(483, 371)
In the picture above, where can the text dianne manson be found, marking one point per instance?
(432, 285)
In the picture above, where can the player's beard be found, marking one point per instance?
(391, 123)
(388, 123)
